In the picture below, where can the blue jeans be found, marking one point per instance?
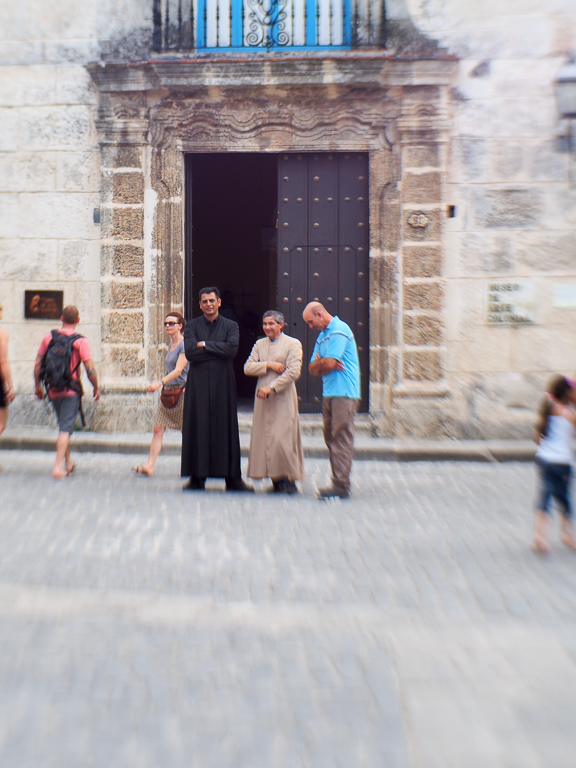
(554, 483)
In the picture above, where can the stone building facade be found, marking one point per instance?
(472, 193)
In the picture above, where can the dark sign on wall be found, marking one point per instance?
(43, 305)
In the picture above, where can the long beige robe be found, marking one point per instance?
(275, 442)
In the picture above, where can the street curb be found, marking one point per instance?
(365, 449)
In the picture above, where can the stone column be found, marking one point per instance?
(123, 265)
(166, 217)
(423, 130)
(385, 252)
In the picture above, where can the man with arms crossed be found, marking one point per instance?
(210, 438)
(335, 358)
(66, 402)
(275, 443)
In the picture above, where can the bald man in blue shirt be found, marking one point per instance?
(335, 358)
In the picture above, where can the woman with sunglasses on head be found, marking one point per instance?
(174, 380)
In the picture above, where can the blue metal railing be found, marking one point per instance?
(244, 25)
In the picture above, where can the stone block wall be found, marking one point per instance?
(123, 267)
(417, 378)
(50, 177)
(49, 188)
(509, 180)
(490, 149)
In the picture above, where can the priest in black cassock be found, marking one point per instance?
(210, 439)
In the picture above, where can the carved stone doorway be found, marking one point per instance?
(152, 115)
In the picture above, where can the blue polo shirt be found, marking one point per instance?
(337, 341)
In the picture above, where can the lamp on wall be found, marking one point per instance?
(565, 85)
(566, 90)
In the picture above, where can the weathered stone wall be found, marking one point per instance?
(486, 141)
(49, 186)
(508, 178)
(50, 174)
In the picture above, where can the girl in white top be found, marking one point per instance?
(554, 434)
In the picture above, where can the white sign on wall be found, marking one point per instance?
(510, 302)
(564, 296)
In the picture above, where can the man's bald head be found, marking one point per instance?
(316, 316)
(313, 307)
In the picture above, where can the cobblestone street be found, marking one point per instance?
(408, 627)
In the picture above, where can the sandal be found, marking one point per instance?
(141, 471)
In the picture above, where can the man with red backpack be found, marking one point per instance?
(57, 368)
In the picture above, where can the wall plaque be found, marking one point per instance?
(564, 296)
(510, 302)
(43, 305)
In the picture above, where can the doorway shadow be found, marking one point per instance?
(231, 242)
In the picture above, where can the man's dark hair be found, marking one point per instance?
(70, 315)
(210, 289)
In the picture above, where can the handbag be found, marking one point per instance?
(169, 396)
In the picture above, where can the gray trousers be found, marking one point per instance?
(338, 415)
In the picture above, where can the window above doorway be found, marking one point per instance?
(272, 26)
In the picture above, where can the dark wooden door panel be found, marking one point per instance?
(323, 251)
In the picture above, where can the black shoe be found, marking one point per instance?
(333, 493)
(194, 484)
(283, 486)
(239, 486)
(290, 487)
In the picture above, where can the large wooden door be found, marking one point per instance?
(323, 242)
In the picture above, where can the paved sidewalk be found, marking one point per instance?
(408, 627)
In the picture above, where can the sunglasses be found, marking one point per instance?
(171, 323)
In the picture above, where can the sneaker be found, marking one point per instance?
(332, 493)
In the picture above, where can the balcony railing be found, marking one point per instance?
(253, 25)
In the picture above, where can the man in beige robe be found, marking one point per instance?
(275, 442)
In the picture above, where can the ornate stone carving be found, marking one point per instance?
(278, 126)
(419, 220)
(166, 173)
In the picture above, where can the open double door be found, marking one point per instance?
(275, 232)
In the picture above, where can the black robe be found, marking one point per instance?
(210, 440)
